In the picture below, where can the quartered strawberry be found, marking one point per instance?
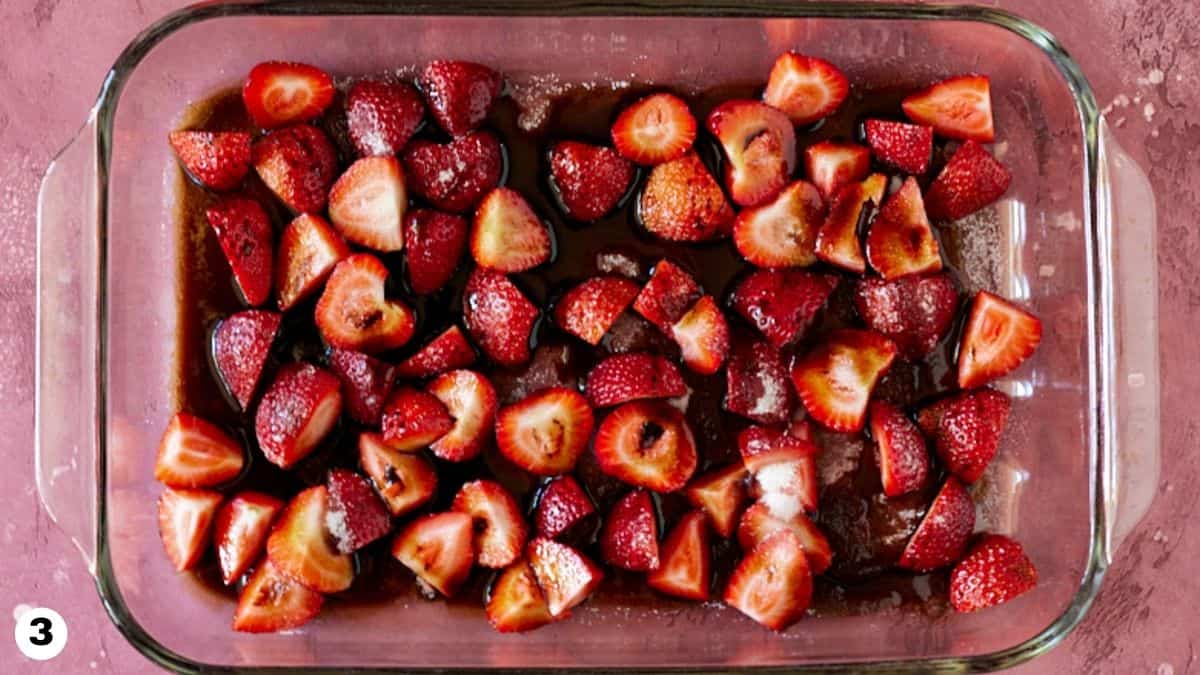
(941, 538)
(277, 93)
(805, 88)
(899, 450)
(185, 519)
(703, 336)
(667, 296)
(272, 601)
(994, 572)
(837, 240)
(507, 236)
(240, 532)
(685, 560)
(588, 310)
(299, 164)
(296, 413)
(381, 116)
(590, 179)
(959, 107)
(781, 232)
(438, 549)
(244, 232)
(404, 481)
(905, 147)
(435, 242)
(355, 515)
(454, 176)
(413, 419)
(515, 604)
(901, 241)
(758, 523)
(720, 494)
(561, 504)
(217, 159)
(681, 201)
(971, 180)
(647, 444)
(760, 149)
(195, 453)
(784, 469)
(999, 336)
(448, 351)
(459, 93)
(366, 382)
(782, 303)
(763, 446)
(353, 312)
(500, 530)
(965, 429)
(498, 316)
(756, 383)
(629, 539)
(546, 432)
(565, 575)
(368, 201)
(913, 311)
(835, 380)
(300, 544)
(629, 377)
(832, 165)
(773, 582)
(309, 248)
(655, 129)
(471, 400)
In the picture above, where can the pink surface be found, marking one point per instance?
(52, 63)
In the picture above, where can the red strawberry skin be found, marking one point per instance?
(217, 159)
(299, 164)
(899, 449)
(782, 303)
(454, 176)
(413, 419)
(355, 517)
(366, 382)
(629, 539)
(941, 538)
(668, 295)
(628, 377)
(756, 383)
(589, 309)
(296, 412)
(435, 243)
(971, 180)
(382, 116)
(590, 179)
(905, 147)
(965, 429)
(561, 504)
(277, 93)
(499, 317)
(244, 232)
(241, 343)
(994, 572)
(450, 350)
(914, 311)
(681, 201)
(459, 93)
(309, 249)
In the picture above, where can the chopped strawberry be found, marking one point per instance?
(500, 529)
(435, 242)
(355, 515)
(498, 316)
(629, 377)
(763, 446)
(296, 413)
(835, 380)
(905, 147)
(185, 519)
(781, 232)
(756, 383)
(459, 93)
(272, 601)
(901, 241)
(760, 149)
(629, 539)
(685, 563)
(515, 604)
(960, 108)
(244, 232)
(353, 312)
(832, 165)
(437, 548)
(773, 583)
(667, 296)
(588, 310)
(971, 180)
(994, 572)
(655, 129)
(300, 544)
(308, 251)
(647, 444)
(240, 531)
(404, 481)
(914, 311)
(899, 449)
(448, 351)
(837, 240)
(759, 522)
(195, 453)
(507, 236)
(941, 538)
(368, 201)
(546, 432)
(471, 401)
(720, 493)
(299, 164)
(806, 88)
(782, 303)
(565, 575)
(382, 115)
(413, 419)
(454, 176)
(590, 179)
(366, 383)
(703, 336)
(784, 468)
(999, 336)
(681, 201)
(240, 344)
(217, 159)
(965, 429)
(561, 504)
(277, 93)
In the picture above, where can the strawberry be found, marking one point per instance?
(459, 93)
(760, 149)
(959, 107)
(655, 129)
(565, 575)
(471, 401)
(448, 351)
(832, 165)
(784, 468)
(454, 176)
(901, 241)
(629, 539)
(782, 303)
(368, 201)
(437, 548)
(277, 93)
(435, 242)
(588, 310)
(905, 147)
(309, 248)
(355, 515)
(500, 529)
(806, 88)
(299, 164)
(835, 379)
(941, 538)
(965, 429)
(244, 232)
(498, 316)
(273, 601)
(561, 504)
(216, 159)
(195, 453)
(589, 179)
(971, 180)
(240, 531)
(773, 583)
(685, 563)
(994, 572)
(837, 240)
(756, 383)
(297, 411)
(759, 522)
(546, 432)
(629, 377)
(507, 236)
(413, 419)
(381, 116)
(899, 449)
(703, 336)
(781, 232)
(667, 296)
(184, 520)
(720, 494)
(647, 444)
(681, 201)
(366, 382)
(763, 446)
(999, 336)
(404, 481)
(300, 544)
(353, 312)
(515, 604)
(913, 311)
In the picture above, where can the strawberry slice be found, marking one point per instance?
(448, 351)
(216, 159)
(628, 377)
(240, 531)
(298, 164)
(588, 310)
(784, 467)
(656, 129)
(561, 504)
(590, 180)
(994, 572)
(277, 93)
(184, 522)
(647, 444)
(309, 248)
(835, 380)
(914, 311)
(941, 538)
(681, 201)
(454, 176)
(515, 604)
(629, 539)
(381, 116)
(297, 411)
(300, 544)
(435, 242)
(905, 147)
(366, 382)
(498, 316)
(404, 481)
(356, 516)
(998, 338)
(965, 429)
(471, 400)
(507, 236)
(353, 312)
(899, 450)
(685, 563)
(959, 107)
(667, 296)
(756, 383)
(500, 530)
(244, 232)
(459, 93)
(782, 303)
(759, 522)
(760, 149)
(832, 165)
(546, 432)
(195, 453)
(368, 201)
(763, 446)
(437, 548)
(971, 180)
(720, 494)
(703, 336)
(565, 575)
(805, 88)
(901, 241)
(837, 240)
(781, 232)
(773, 583)
(272, 601)
(413, 419)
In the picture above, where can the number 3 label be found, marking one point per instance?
(41, 634)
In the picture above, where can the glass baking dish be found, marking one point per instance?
(1074, 239)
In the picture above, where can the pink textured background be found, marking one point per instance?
(55, 53)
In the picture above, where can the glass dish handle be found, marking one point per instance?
(67, 342)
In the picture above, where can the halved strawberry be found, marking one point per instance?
(195, 453)
(681, 201)
(703, 336)
(273, 601)
(942, 536)
(381, 116)
(965, 429)
(832, 164)
(353, 312)
(784, 469)
(355, 515)
(296, 413)
(471, 401)
(959, 107)
(782, 303)
(647, 444)
(994, 572)
(300, 544)
(773, 583)
(760, 149)
(561, 504)
(685, 563)
(998, 338)
(454, 176)
(756, 383)
(901, 241)
(759, 522)
(971, 180)
(913, 311)
(655, 129)
(279, 92)
(404, 481)
(244, 232)
(413, 419)
(899, 450)
(366, 382)
(590, 179)
(629, 377)
(435, 242)
(720, 494)
(546, 432)
(905, 147)
(500, 530)
(499, 316)
(667, 296)
(781, 232)
(515, 604)
(837, 240)
(806, 88)
(299, 164)
(459, 93)
(309, 248)
(506, 235)
(240, 531)
(448, 351)
(588, 310)
(835, 380)
(217, 159)
(184, 521)
(437, 548)
(629, 539)
(565, 575)
(368, 201)
(763, 446)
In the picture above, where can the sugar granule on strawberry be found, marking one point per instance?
(561, 504)
(382, 115)
(355, 516)
(450, 350)
(681, 201)
(244, 231)
(914, 311)
(459, 93)
(498, 316)
(589, 309)
(629, 539)
(435, 242)
(217, 159)
(995, 571)
(905, 147)
(240, 345)
(590, 180)
(971, 180)
(366, 382)
(299, 164)
(782, 303)
(627, 377)
(966, 429)
(454, 176)
(756, 383)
